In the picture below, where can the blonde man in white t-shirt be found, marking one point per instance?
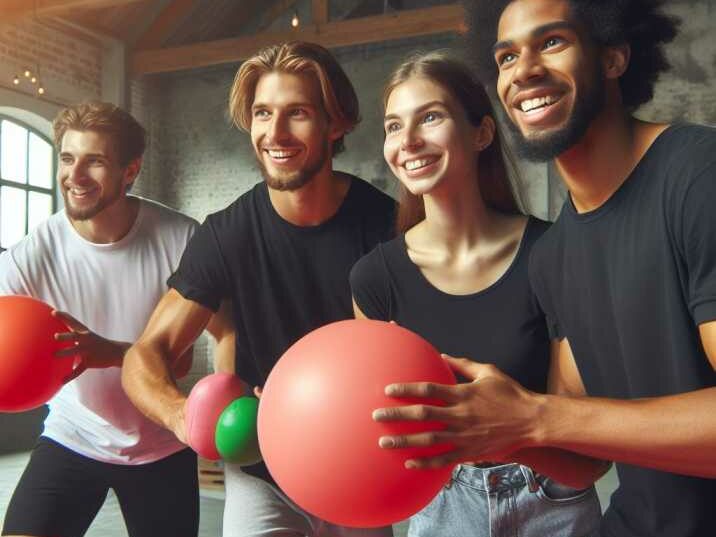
(102, 262)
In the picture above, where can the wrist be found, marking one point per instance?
(539, 434)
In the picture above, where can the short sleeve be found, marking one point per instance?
(369, 286)
(202, 275)
(699, 244)
(541, 293)
(11, 281)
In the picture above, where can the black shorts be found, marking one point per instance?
(60, 493)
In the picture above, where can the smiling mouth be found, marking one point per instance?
(80, 192)
(418, 163)
(281, 154)
(537, 104)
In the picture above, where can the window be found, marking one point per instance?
(27, 170)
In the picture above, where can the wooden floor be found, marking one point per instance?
(109, 521)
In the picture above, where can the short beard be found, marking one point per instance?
(297, 179)
(549, 146)
(88, 213)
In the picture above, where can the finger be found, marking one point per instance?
(469, 369)
(68, 352)
(66, 336)
(70, 321)
(393, 322)
(429, 438)
(439, 461)
(258, 391)
(424, 390)
(411, 413)
(76, 372)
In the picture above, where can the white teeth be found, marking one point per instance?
(537, 102)
(281, 154)
(418, 163)
(78, 191)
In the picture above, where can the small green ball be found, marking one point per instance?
(236, 438)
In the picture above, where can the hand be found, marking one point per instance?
(90, 350)
(486, 419)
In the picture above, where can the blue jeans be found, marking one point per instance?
(507, 501)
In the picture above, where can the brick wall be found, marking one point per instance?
(70, 63)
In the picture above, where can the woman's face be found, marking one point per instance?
(428, 138)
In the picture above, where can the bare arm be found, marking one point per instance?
(147, 376)
(565, 466)
(221, 327)
(674, 433)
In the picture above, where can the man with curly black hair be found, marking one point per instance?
(626, 276)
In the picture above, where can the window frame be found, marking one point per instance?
(27, 187)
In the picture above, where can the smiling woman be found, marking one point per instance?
(26, 179)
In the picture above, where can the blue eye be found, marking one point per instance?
(505, 58)
(552, 42)
(392, 127)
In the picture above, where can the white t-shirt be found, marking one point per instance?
(112, 289)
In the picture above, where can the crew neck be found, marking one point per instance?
(106, 247)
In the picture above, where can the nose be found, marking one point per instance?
(529, 67)
(278, 128)
(411, 138)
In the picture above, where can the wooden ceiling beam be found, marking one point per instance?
(171, 17)
(14, 10)
(397, 25)
(319, 11)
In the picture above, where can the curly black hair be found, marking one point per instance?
(640, 23)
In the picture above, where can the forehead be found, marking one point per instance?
(88, 141)
(415, 92)
(522, 17)
(278, 88)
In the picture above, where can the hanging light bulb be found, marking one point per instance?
(27, 73)
(16, 80)
(33, 80)
(41, 90)
(295, 21)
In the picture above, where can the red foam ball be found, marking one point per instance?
(30, 374)
(316, 431)
(207, 400)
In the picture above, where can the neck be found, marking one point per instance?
(457, 218)
(111, 224)
(603, 159)
(315, 202)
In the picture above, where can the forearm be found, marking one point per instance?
(225, 355)
(149, 383)
(674, 434)
(569, 468)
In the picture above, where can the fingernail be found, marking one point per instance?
(390, 389)
(386, 442)
(410, 464)
(378, 414)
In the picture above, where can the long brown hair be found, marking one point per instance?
(455, 77)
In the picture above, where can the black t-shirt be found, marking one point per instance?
(502, 324)
(628, 284)
(284, 280)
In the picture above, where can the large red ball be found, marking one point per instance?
(30, 374)
(316, 431)
(207, 400)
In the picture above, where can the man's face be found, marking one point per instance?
(550, 80)
(290, 131)
(89, 174)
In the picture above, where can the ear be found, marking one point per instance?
(615, 60)
(335, 131)
(132, 171)
(484, 134)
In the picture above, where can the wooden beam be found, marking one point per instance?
(13, 10)
(165, 24)
(398, 25)
(319, 11)
(273, 12)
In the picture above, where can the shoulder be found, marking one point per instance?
(165, 215)
(374, 265)
(42, 241)
(369, 194)
(242, 209)
(683, 152)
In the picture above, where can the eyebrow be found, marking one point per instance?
(418, 109)
(537, 32)
(305, 104)
(95, 155)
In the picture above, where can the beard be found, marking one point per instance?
(289, 181)
(89, 212)
(549, 145)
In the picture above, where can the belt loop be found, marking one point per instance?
(532, 484)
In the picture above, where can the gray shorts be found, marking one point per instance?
(255, 508)
(506, 501)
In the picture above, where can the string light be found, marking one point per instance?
(16, 80)
(27, 73)
(41, 90)
(295, 21)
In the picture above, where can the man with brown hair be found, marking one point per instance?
(281, 253)
(104, 260)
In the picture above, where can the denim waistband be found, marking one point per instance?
(496, 478)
